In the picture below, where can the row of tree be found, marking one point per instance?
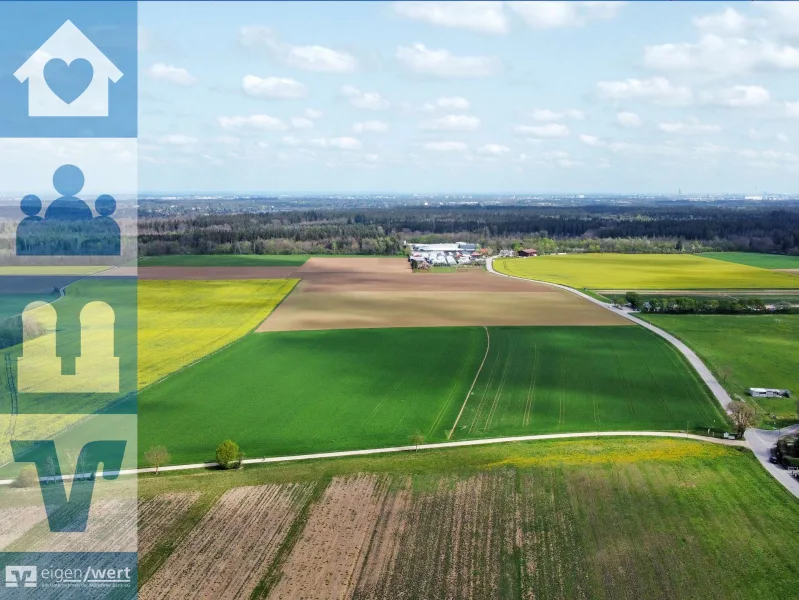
(549, 229)
(685, 305)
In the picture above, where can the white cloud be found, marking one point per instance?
(177, 75)
(552, 130)
(177, 139)
(273, 87)
(264, 122)
(792, 109)
(446, 146)
(313, 113)
(453, 123)
(442, 63)
(484, 17)
(370, 127)
(301, 123)
(591, 140)
(738, 96)
(628, 119)
(688, 126)
(656, 89)
(290, 140)
(550, 15)
(450, 103)
(310, 58)
(544, 114)
(365, 100)
(722, 56)
(227, 140)
(729, 21)
(493, 149)
(340, 143)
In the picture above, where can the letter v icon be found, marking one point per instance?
(69, 515)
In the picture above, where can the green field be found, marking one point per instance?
(316, 391)
(753, 259)
(639, 519)
(644, 272)
(751, 350)
(223, 260)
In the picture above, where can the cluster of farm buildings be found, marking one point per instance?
(458, 253)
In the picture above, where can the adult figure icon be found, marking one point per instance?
(68, 181)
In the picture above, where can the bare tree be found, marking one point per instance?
(157, 456)
(725, 371)
(743, 415)
(417, 439)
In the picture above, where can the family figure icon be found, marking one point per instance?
(68, 227)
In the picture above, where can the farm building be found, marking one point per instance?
(769, 393)
(528, 252)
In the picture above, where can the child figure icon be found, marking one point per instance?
(68, 228)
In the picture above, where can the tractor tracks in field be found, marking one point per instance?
(477, 375)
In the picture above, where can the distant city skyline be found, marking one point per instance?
(472, 97)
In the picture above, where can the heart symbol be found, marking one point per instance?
(68, 81)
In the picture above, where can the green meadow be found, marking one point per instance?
(754, 259)
(223, 260)
(317, 391)
(744, 351)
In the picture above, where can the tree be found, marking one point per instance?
(157, 456)
(635, 300)
(227, 454)
(724, 372)
(28, 477)
(417, 439)
(743, 415)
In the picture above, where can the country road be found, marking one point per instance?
(438, 446)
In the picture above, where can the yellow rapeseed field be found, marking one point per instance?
(644, 272)
(182, 321)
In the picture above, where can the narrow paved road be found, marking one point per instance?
(718, 391)
(759, 440)
(483, 442)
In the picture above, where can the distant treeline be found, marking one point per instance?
(711, 306)
(548, 229)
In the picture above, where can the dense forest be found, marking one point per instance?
(382, 231)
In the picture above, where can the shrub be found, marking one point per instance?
(28, 477)
(228, 454)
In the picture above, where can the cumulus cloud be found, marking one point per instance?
(722, 56)
(171, 73)
(446, 146)
(453, 123)
(692, 125)
(484, 17)
(340, 143)
(493, 150)
(365, 100)
(370, 127)
(312, 113)
(544, 114)
(729, 21)
(655, 89)
(591, 140)
(301, 123)
(442, 63)
(273, 87)
(310, 58)
(628, 119)
(738, 96)
(551, 130)
(551, 15)
(449, 103)
(263, 122)
(177, 139)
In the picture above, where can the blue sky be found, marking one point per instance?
(479, 97)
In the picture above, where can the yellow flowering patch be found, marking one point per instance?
(621, 450)
(182, 321)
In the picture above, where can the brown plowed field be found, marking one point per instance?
(357, 293)
(210, 273)
(157, 515)
(226, 555)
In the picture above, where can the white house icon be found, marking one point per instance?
(68, 76)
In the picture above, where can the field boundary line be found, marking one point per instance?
(394, 449)
(474, 382)
(700, 368)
